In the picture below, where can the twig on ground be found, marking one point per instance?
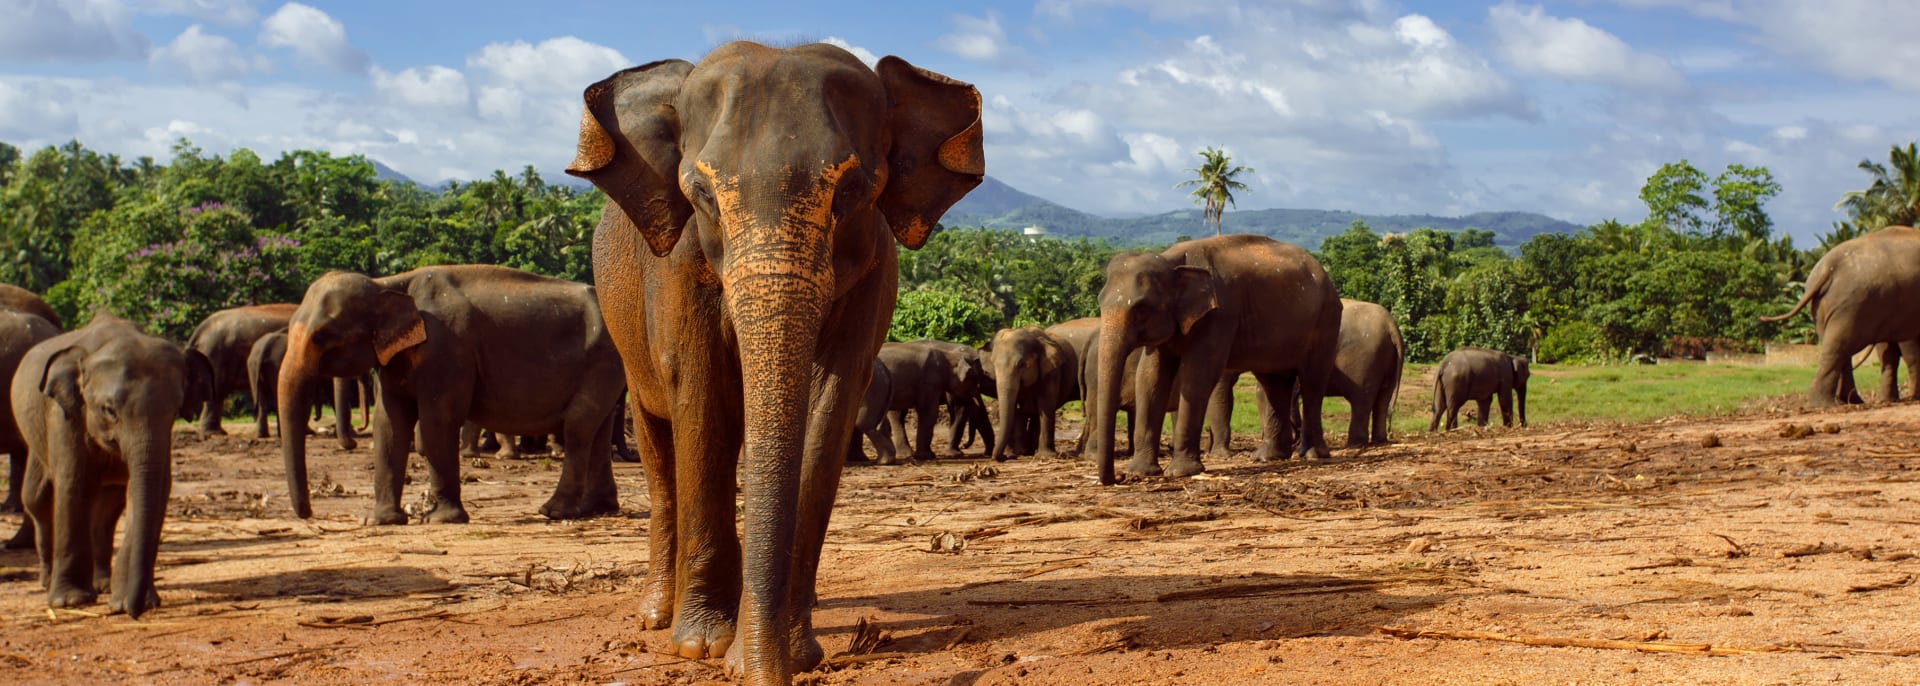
(1641, 646)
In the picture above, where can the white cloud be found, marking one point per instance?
(1537, 43)
(68, 30)
(864, 54)
(223, 12)
(1854, 39)
(431, 86)
(36, 110)
(206, 57)
(980, 39)
(557, 65)
(314, 36)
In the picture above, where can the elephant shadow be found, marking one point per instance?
(332, 584)
(1145, 612)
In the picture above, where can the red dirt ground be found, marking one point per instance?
(1789, 549)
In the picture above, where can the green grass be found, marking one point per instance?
(1562, 394)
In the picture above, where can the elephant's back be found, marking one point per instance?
(25, 301)
(19, 332)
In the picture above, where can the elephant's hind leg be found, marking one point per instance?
(586, 473)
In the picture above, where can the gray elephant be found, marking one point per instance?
(1366, 372)
(1083, 336)
(923, 375)
(225, 338)
(1479, 375)
(18, 332)
(1198, 310)
(96, 407)
(1034, 374)
(1861, 293)
(505, 348)
(1890, 355)
(872, 420)
(263, 377)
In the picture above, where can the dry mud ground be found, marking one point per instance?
(1603, 554)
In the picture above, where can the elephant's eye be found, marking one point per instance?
(106, 411)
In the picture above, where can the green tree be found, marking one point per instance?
(1738, 194)
(1893, 198)
(1676, 198)
(1213, 185)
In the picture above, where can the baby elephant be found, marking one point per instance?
(1479, 374)
(96, 407)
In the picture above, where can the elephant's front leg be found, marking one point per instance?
(1220, 418)
(112, 500)
(343, 392)
(393, 434)
(16, 472)
(925, 413)
(1278, 428)
(1506, 409)
(1049, 409)
(706, 448)
(1193, 385)
(1151, 384)
(897, 426)
(70, 566)
(215, 407)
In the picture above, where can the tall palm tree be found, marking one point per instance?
(1213, 185)
(1894, 196)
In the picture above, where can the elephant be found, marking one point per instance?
(1478, 375)
(1197, 310)
(922, 375)
(18, 332)
(1890, 355)
(226, 338)
(502, 347)
(27, 302)
(1861, 293)
(263, 377)
(1034, 374)
(967, 413)
(872, 419)
(1366, 372)
(96, 408)
(791, 173)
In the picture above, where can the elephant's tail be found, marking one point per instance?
(1816, 283)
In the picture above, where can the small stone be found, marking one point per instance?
(1710, 441)
(1419, 545)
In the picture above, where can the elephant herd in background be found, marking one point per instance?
(745, 269)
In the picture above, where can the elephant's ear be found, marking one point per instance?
(60, 380)
(199, 383)
(1197, 295)
(630, 148)
(936, 155)
(399, 325)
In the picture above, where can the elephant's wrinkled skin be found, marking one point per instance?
(18, 332)
(96, 407)
(1479, 375)
(1034, 373)
(226, 338)
(263, 378)
(922, 376)
(1861, 293)
(516, 351)
(1200, 309)
(749, 243)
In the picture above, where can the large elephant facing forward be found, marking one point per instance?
(1479, 375)
(96, 407)
(749, 243)
(1861, 293)
(516, 351)
(1202, 308)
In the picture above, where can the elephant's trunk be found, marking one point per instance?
(1104, 402)
(1006, 385)
(776, 305)
(149, 459)
(298, 370)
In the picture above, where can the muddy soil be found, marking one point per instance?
(1778, 546)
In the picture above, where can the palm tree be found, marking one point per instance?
(1894, 196)
(1213, 185)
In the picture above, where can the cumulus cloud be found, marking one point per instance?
(36, 109)
(981, 39)
(1537, 43)
(314, 36)
(206, 57)
(431, 86)
(63, 30)
(223, 12)
(557, 65)
(1854, 39)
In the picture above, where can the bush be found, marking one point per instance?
(1572, 342)
(942, 316)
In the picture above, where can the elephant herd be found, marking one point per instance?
(745, 271)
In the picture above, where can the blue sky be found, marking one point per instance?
(1560, 107)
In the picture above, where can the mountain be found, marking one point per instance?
(996, 205)
(385, 173)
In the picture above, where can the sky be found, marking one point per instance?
(1375, 106)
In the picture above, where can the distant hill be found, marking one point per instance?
(385, 173)
(996, 205)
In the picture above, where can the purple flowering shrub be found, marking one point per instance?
(217, 263)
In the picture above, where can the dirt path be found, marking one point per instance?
(1794, 555)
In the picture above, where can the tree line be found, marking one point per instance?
(166, 244)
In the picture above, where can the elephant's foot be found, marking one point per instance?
(886, 460)
(1184, 466)
(578, 507)
(387, 515)
(261, 433)
(135, 603)
(702, 635)
(65, 594)
(1268, 454)
(508, 452)
(625, 454)
(347, 442)
(1142, 467)
(1048, 454)
(446, 512)
(22, 539)
(102, 578)
(923, 456)
(11, 506)
(656, 604)
(212, 430)
(1317, 453)
(803, 654)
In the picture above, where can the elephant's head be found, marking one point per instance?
(1521, 371)
(790, 173)
(346, 325)
(1148, 300)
